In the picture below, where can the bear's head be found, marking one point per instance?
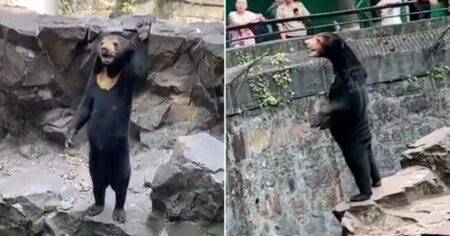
(113, 49)
(324, 45)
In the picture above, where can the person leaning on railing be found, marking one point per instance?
(392, 14)
(420, 9)
(291, 8)
(271, 14)
(242, 17)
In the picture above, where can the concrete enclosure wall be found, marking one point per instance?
(284, 178)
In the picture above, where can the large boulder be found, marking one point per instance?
(191, 185)
(432, 151)
(407, 201)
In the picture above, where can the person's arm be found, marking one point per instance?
(231, 19)
(305, 12)
(304, 9)
(434, 2)
(280, 25)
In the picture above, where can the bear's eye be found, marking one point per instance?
(101, 43)
(116, 44)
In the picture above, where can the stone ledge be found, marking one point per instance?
(407, 200)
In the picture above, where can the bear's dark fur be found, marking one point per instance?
(106, 108)
(346, 114)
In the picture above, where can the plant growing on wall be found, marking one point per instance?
(126, 8)
(273, 88)
(65, 9)
(440, 73)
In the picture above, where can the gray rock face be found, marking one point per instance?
(46, 62)
(432, 151)
(283, 178)
(55, 124)
(190, 186)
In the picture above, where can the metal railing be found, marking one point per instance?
(309, 26)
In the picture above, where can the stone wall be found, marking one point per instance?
(44, 67)
(284, 178)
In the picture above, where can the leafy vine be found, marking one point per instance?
(271, 89)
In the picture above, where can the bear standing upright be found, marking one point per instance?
(346, 113)
(106, 108)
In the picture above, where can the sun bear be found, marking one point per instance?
(346, 112)
(106, 108)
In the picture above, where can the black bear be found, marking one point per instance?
(106, 108)
(346, 114)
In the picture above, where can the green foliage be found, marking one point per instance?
(242, 57)
(126, 8)
(440, 73)
(271, 89)
(65, 9)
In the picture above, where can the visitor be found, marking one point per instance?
(288, 9)
(420, 9)
(390, 16)
(271, 13)
(242, 17)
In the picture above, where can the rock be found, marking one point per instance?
(154, 119)
(432, 151)
(165, 137)
(404, 201)
(55, 124)
(201, 149)
(184, 228)
(177, 79)
(61, 43)
(190, 186)
(29, 151)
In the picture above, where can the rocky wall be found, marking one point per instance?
(284, 178)
(45, 63)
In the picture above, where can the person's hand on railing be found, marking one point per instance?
(433, 2)
(259, 18)
(387, 2)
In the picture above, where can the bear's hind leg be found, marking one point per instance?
(99, 195)
(120, 177)
(121, 194)
(374, 172)
(356, 157)
(99, 183)
(120, 187)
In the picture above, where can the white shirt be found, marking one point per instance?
(285, 11)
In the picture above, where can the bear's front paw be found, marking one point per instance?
(70, 136)
(143, 30)
(321, 121)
